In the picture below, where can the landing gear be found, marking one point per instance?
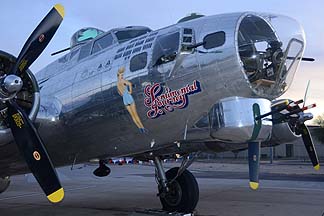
(183, 194)
(102, 170)
(178, 189)
(4, 183)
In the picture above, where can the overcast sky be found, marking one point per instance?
(19, 18)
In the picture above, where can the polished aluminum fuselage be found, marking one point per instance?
(82, 115)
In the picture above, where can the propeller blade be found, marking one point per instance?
(254, 164)
(31, 147)
(308, 142)
(39, 39)
(306, 92)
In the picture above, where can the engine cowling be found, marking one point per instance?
(232, 119)
(283, 133)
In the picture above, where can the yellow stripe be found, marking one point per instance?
(60, 9)
(254, 185)
(57, 196)
(317, 167)
(286, 102)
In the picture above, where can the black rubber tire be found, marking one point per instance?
(187, 201)
(4, 184)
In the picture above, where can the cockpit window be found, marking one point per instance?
(102, 43)
(125, 35)
(85, 51)
(165, 48)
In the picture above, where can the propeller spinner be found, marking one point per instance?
(25, 134)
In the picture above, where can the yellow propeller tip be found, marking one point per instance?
(317, 167)
(60, 9)
(285, 102)
(254, 185)
(57, 196)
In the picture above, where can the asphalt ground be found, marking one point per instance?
(286, 188)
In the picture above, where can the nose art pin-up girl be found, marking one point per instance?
(125, 90)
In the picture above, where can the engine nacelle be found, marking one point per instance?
(283, 133)
(232, 120)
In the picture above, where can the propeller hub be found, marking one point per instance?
(305, 117)
(12, 84)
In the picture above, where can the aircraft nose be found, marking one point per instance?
(270, 49)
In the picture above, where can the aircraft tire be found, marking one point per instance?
(4, 184)
(183, 193)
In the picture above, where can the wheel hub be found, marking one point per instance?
(173, 196)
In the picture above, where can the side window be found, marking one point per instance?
(102, 43)
(188, 40)
(85, 51)
(187, 36)
(214, 40)
(165, 48)
(138, 62)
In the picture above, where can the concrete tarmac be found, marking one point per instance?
(285, 189)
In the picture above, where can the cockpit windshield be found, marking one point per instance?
(127, 34)
(270, 51)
